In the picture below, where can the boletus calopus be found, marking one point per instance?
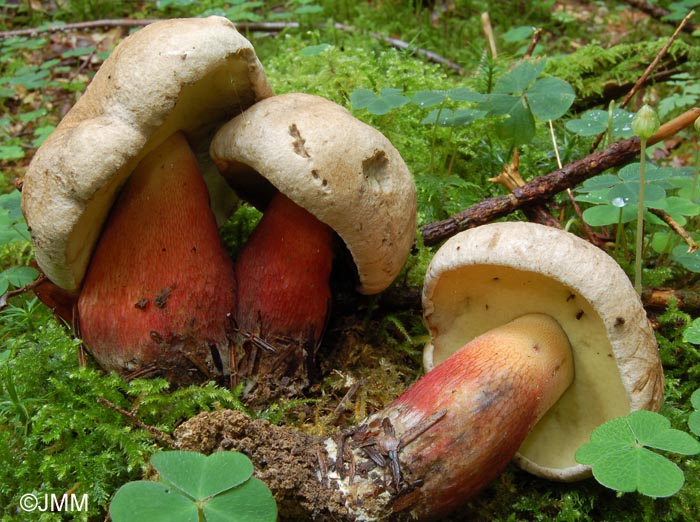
(488, 276)
(318, 173)
(537, 338)
(118, 206)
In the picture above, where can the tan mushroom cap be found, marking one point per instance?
(183, 74)
(340, 169)
(489, 275)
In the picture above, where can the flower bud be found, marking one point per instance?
(645, 122)
(697, 124)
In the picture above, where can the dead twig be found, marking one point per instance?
(266, 27)
(687, 300)
(155, 432)
(511, 178)
(673, 224)
(645, 75)
(542, 188)
(650, 68)
(657, 12)
(533, 42)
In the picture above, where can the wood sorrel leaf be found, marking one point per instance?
(201, 476)
(694, 419)
(620, 461)
(595, 121)
(152, 501)
(428, 98)
(378, 104)
(692, 335)
(689, 260)
(251, 502)
(550, 98)
(520, 77)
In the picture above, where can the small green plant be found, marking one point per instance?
(614, 200)
(380, 103)
(612, 194)
(694, 419)
(197, 488)
(692, 333)
(13, 229)
(619, 456)
(518, 99)
(522, 96)
(644, 125)
(618, 122)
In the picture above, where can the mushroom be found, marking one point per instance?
(159, 285)
(316, 171)
(537, 337)
(487, 276)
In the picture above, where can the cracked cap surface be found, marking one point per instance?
(340, 169)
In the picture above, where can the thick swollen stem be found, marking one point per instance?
(472, 413)
(283, 296)
(424, 455)
(160, 287)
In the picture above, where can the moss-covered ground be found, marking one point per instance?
(57, 435)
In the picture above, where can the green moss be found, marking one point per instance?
(595, 71)
(55, 435)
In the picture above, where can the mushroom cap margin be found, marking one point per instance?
(186, 74)
(530, 255)
(343, 171)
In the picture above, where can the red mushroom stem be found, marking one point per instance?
(160, 287)
(283, 296)
(457, 428)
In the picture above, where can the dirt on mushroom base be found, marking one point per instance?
(284, 459)
(362, 373)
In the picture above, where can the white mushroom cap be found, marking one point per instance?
(183, 74)
(489, 275)
(340, 169)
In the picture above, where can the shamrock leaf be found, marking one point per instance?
(620, 457)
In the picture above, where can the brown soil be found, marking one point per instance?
(286, 460)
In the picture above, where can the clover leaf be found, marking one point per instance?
(378, 104)
(195, 488)
(694, 419)
(596, 121)
(692, 335)
(521, 97)
(452, 118)
(616, 195)
(619, 454)
(688, 260)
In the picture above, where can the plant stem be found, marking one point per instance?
(693, 190)
(640, 220)
(619, 233)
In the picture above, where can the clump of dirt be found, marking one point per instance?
(286, 460)
(364, 367)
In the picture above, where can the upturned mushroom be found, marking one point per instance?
(119, 212)
(317, 172)
(537, 337)
(490, 275)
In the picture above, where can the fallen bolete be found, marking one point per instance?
(316, 171)
(119, 213)
(485, 277)
(537, 337)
